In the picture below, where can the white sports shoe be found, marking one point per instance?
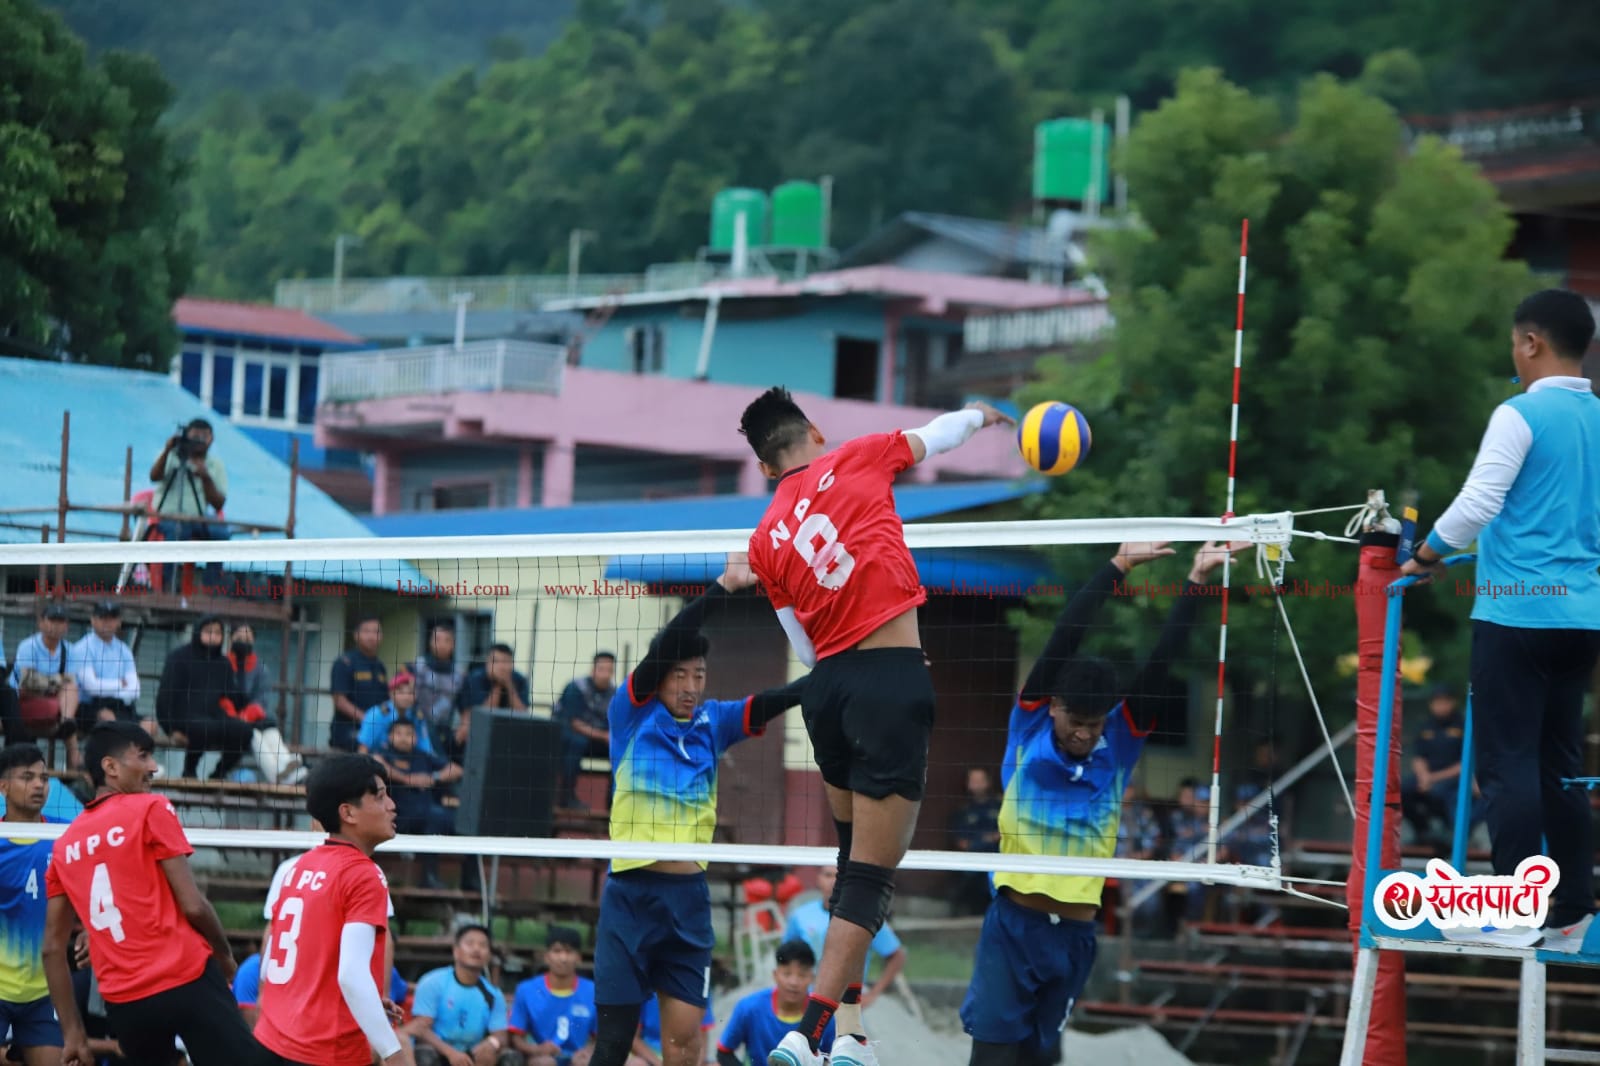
(1568, 940)
(1490, 936)
(794, 1050)
(848, 1051)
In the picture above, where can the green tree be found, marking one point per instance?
(91, 252)
(1375, 330)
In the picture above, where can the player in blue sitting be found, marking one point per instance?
(552, 1015)
(459, 1017)
(809, 922)
(1074, 737)
(27, 1021)
(655, 936)
(762, 1019)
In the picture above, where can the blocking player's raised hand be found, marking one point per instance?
(1138, 553)
(737, 575)
(992, 416)
(1211, 555)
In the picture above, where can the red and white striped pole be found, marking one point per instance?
(1227, 559)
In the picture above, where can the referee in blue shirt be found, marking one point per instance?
(1532, 502)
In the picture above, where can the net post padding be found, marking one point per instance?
(1258, 529)
(1386, 1027)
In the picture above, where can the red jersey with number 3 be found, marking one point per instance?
(832, 547)
(303, 1013)
(107, 864)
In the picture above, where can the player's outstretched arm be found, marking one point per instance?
(1073, 623)
(58, 921)
(1179, 626)
(668, 646)
(198, 911)
(950, 431)
(770, 703)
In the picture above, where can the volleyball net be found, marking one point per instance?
(482, 653)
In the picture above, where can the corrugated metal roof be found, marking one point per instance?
(934, 288)
(1004, 242)
(227, 318)
(112, 409)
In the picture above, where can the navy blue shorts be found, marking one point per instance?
(29, 1024)
(1031, 969)
(655, 936)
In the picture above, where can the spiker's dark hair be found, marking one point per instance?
(773, 423)
(1562, 316)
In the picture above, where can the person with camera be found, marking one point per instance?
(194, 488)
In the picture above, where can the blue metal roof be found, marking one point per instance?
(112, 409)
(970, 571)
(697, 512)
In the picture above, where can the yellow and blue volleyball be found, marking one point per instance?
(1053, 437)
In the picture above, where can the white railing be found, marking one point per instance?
(481, 366)
(1047, 328)
(513, 292)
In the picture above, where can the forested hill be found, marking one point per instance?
(310, 45)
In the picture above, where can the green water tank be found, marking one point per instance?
(797, 215)
(1064, 152)
(726, 208)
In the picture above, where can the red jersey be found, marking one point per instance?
(831, 545)
(107, 864)
(303, 1013)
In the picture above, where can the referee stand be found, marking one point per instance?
(1378, 935)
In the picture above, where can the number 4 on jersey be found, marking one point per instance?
(103, 913)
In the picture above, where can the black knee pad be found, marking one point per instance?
(864, 900)
(846, 831)
(615, 1028)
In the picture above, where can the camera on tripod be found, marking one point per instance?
(182, 446)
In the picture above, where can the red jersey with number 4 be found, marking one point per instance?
(303, 1013)
(831, 545)
(107, 864)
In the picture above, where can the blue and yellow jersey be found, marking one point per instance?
(1057, 805)
(666, 768)
(22, 906)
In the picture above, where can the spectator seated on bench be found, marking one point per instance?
(42, 701)
(107, 676)
(201, 707)
(553, 1014)
(458, 1017)
(415, 777)
(401, 705)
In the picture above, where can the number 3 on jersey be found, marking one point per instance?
(103, 913)
(278, 971)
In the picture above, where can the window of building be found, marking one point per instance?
(855, 369)
(222, 384)
(647, 349)
(277, 391)
(456, 496)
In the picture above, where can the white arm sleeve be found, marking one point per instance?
(356, 945)
(797, 636)
(949, 431)
(1505, 445)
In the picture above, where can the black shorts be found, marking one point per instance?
(203, 1012)
(870, 714)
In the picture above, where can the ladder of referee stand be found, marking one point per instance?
(1377, 935)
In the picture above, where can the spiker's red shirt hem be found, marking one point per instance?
(831, 544)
